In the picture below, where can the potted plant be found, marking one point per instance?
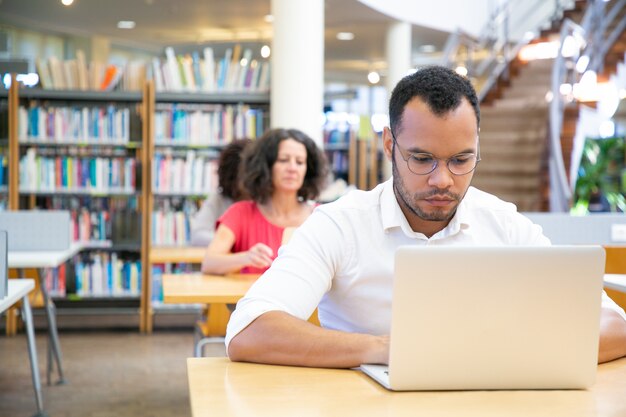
(599, 186)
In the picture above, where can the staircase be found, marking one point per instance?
(513, 138)
(514, 134)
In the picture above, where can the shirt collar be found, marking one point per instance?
(393, 217)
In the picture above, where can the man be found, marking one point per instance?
(342, 256)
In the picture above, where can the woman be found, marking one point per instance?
(203, 223)
(280, 172)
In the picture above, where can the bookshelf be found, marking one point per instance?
(352, 156)
(4, 149)
(189, 132)
(81, 151)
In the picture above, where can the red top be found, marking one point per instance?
(250, 227)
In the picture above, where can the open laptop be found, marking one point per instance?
(469, 318)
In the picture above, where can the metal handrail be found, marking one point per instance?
(592, 28)
(494, 40)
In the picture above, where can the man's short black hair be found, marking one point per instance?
(441, 88)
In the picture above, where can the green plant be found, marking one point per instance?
(600, 174)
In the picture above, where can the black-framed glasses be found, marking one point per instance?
(421, 163)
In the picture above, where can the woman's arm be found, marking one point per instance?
(219, 260)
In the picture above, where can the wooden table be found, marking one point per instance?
(219, 387)
(190, 255)
(205, 289)
(19, 290)
(213, 290)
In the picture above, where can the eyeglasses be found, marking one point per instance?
(424, 163)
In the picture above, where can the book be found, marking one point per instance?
(57, 72)
(83, 76)
(45, 79)
(173, 71)
(209, 70)
(111, 77)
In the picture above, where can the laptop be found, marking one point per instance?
(493, 318)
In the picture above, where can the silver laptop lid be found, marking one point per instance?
(495, 317)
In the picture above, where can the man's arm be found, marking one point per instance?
(612, 336)
(279, 338)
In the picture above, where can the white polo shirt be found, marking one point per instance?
(342, 258)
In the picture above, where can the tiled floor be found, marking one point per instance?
(109, 374)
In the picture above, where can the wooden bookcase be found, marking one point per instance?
(231, 107)
(143, 150)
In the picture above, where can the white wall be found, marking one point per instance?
(468, 15)
(446, 15)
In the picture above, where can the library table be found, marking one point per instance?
(19, 290)
(206, 289)
(219, 387)
(615, 282)
(20, 260)
(186, 254)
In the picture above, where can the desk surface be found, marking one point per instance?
(18, 288)
(42, 259)
(187, 254)
(615, 282)
(206, 289)
(222, 388)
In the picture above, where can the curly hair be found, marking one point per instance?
(228, 169)
(260, 156)
(439, 87)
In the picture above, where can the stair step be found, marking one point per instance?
(500, 111)
(512, 137)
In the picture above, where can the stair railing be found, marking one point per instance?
(586, 41)
(487, 57)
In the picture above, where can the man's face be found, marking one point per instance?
(429, 201)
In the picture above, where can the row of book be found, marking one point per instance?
(189, 175)
(338, 161)
(98, 274)
(337, 136)
(158, 270)
(77, 74)
(55, 280)
(4, 170)
(42, 173)
(104, 274)
(235, 71)
(201, 71)
(114, 219)
(109, 124)
(207, 124)
(171, 224)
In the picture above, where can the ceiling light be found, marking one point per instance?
(345, 36)
(67, 2)
(461, 70)
(582, 63)
(125, 24)
(265, 51)
(373, 77)
(269, 18)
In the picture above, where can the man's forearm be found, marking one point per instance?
(612, 336)
(279, 338)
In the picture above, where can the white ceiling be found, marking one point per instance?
(191, 23)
